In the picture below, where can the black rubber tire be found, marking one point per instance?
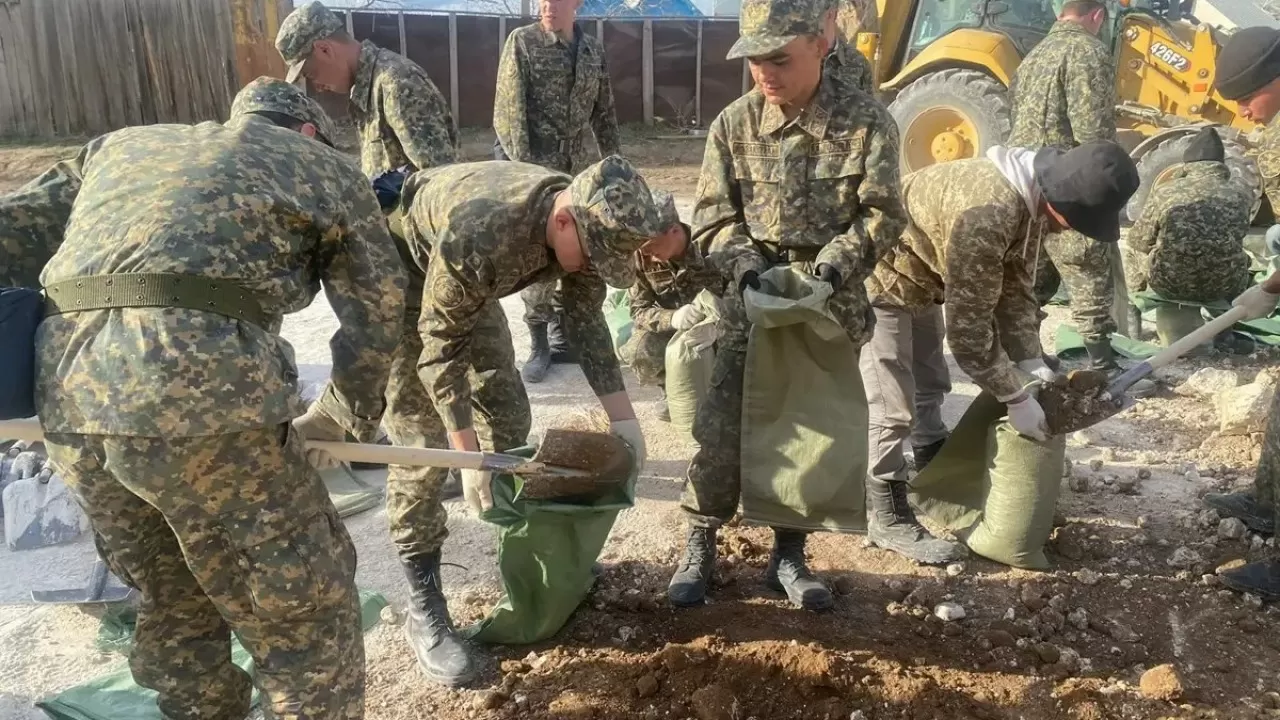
(1169, 153)
(979, 96)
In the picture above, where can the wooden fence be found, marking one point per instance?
(668, 68)
(83, 67)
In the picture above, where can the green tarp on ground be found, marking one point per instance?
(117, 697)
(546, 550)
(348, 492)
(804, 412)
(1069, 343)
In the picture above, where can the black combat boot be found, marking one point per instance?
(924, 454)
(441, 654)
(689, 585)
(1245, 507)
(892, 525)
(788, 573)
(1259, 578)
(535, 368)
(562, 351)
(1103, 357)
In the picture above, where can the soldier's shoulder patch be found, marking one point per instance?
(1269, 164)
(447, 292)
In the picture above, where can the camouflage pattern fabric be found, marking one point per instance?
(844, 64)
(1084, 266)
(820, 189)
(857, 16)
(268, 94)
(270, 561)
(540, 304)
(482, 229)
(550, 96)
(1189, 237)
(1268, 159)
(299, 32)
(249, 202)
(967, 245)
(400, 116)
(1064, 91)
(662, 288)
(766, 25)
(645, 352)
(1266, 479)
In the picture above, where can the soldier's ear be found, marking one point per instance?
(308, 129)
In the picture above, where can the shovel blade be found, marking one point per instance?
(1075, 401)
(103, 587)
(598, 463)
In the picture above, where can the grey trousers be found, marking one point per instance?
(906, 377)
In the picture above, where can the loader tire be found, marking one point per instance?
(950, 115)
(1155, 166)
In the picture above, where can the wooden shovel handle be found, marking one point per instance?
(1179, 348)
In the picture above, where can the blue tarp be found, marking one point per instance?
(589, 9)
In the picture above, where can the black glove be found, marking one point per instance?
(749, 279)
(829, 275)
(387, 186)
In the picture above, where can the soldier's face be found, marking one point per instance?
(1263, 105)
(325, 70)
(791, 73)
(558, 13)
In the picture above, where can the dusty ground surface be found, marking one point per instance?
(1133, 586)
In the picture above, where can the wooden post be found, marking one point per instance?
(404, 43)
(254, 24)
(453, 68)
(502, 33)
(697, 80)
(646, 71)
(525, 8)
(600, 30)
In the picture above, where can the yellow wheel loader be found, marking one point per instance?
(945, 67)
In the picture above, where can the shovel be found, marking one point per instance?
(99, 590)
(569, 463)
(1084, 398)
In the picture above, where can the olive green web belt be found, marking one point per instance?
(137, 290)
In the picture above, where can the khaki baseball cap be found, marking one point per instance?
(299, 33)
(764, 26)
(615, 213)
(268, 94)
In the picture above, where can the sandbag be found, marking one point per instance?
(21, 312)
(546, 550)
(617, 315)
(994, 488)
(690, 359)
(804, 411)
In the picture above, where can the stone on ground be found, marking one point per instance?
(1161, 682)
(38, 514)
(1243, 410)
(1208, 381)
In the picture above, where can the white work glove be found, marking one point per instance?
(1027, 417)
(476, 489)
(1036, 369)
(1259, 302)
(629, 430)
(316, 425)
(687, 316)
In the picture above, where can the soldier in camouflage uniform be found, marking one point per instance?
(553, 92)
(844, 63)
(1064, 95)
(480, 232)
(1249, 73)
(400, 116)
(661, 302)
(800, 171)
(1188, 244)
(974, 225)
(170, 424)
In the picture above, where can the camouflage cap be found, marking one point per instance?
(299, 32)
(268, 94)
(766, 25)
(665, 203)
(615, 214)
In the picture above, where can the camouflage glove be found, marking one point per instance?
(317, 425)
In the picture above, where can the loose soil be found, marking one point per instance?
(1133, 587)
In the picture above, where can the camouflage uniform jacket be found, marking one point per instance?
(1268, 159)
(823, 188)
(546, 103)
(1191, 232)
(1064, 92)
(663, 287)
(478, 232)
(970, 243)
(249, 202)
(401, 117)
(845, 64)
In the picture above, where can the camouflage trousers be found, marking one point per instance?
(221, 534)
(646, 354)
(904, 371)
(414, 507)
(1266, 481)
(1084, 265)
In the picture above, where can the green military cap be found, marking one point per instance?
(615, 214)
(268, 94)
(300, 31)
(766, 25)
(665, 203)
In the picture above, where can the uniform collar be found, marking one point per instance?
(1067, 26)
(362, 87)
(1206, 168)
(812, 119)
(548, 38)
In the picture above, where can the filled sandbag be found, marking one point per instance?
(690, 359)
(996, 489)
(804, 411)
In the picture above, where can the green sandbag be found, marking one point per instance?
(689, 369)
(994, 488)
(804, 411)
(617, 314)
(115, 695)
(545, 553)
